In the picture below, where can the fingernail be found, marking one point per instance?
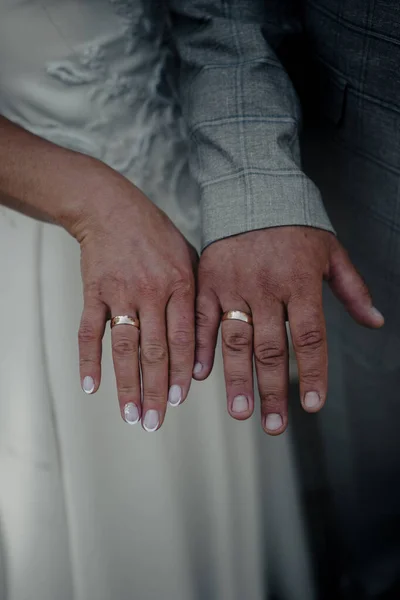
(198, 367)
(240, 404)
(376, 314)
(151, 420)
(131, 413)
(88, 384)
(311, 400)
(174, 395)
(273, 422)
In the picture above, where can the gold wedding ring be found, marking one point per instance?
(125, 320)
(237, 315)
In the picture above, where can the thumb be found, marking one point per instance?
(349, 287)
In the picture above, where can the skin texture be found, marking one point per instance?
(133, 260)
(276, 275)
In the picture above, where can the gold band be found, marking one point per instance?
(237, 315)
(125, 320)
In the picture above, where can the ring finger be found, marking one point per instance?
(237, 351)
(125, 351)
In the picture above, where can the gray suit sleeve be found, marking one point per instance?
(243, 117)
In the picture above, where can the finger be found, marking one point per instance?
(272, 366)
(125, 352)
(349, 287)
(237, 352)
(208, 317)
(180, 334)
(307, 326)
(90, 335)
(154, 362)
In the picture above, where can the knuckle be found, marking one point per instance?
(302, 287)
(115, 283)
(182, 339)
(87, 333)
(303, 276)
(151, 289)
(310, 341)
(184, 285)
(91, 288)
(153, 353)
(125, 389)
(203, 343)
(271, 402)
(202, 319)
(124, 347)
(88, 361)
(270, 355)
(311, 376)
(237, 379)
(301, 281)
(152, 293)
(236, 341)
(179, 370)
(154, 398)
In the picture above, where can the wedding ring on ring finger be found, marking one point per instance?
(125, 351)
(237, 315)
(125, 320)
(237, 351)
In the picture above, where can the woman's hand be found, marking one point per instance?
(135, 262)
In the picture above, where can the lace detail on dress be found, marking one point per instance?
(135, 126)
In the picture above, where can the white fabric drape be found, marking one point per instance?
(93, 509)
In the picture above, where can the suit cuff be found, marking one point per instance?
(252, 200)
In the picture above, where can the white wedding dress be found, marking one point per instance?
(90, 508)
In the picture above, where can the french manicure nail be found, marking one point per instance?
(311, 400)
(88, 384)
(151, 420)
(131, 413)
(198, 367)
(240, 404)
(273, 422)
(174, 395)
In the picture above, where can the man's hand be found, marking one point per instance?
(276, 275)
